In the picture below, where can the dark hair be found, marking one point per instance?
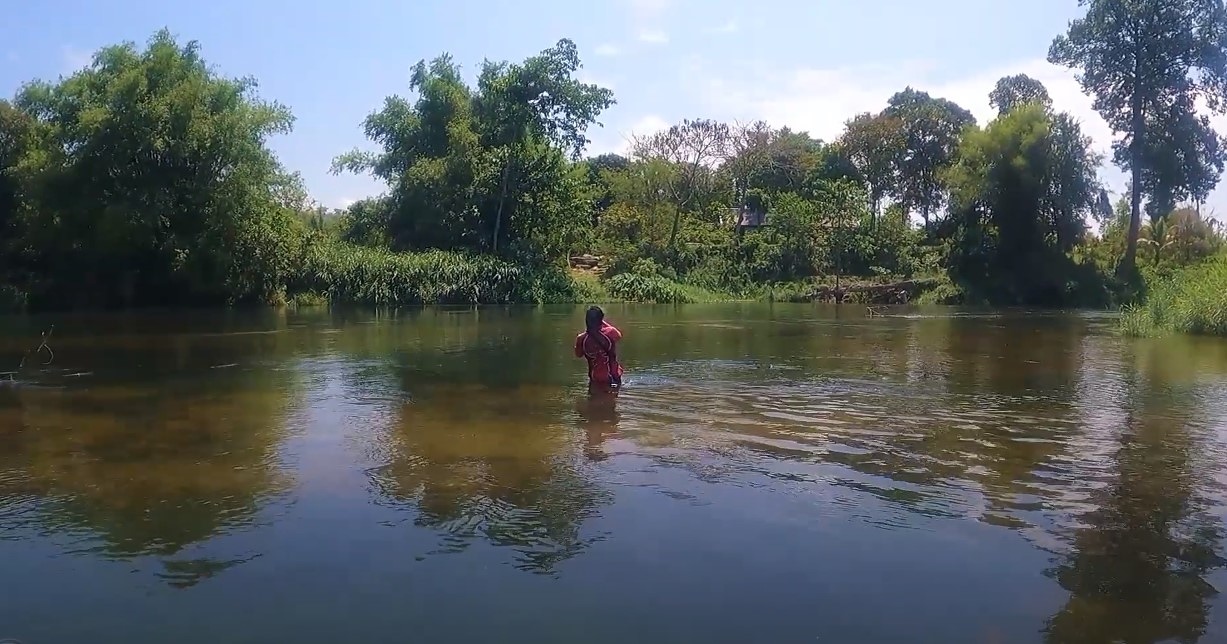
(592, 323)
(593, 319)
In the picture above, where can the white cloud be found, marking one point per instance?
(653, 36)
(820, 100)
(607, 49)
(650, 124)
(618, 140)
(647, 16)
(74, 59)
(730, 27)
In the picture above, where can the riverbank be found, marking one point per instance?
(344, 274)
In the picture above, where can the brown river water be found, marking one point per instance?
(769, 473)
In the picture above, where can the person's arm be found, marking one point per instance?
(612, 332)
(579, 346)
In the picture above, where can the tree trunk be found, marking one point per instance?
(1135, 195)
(677, 217)
(502, 198)
(1138, 115)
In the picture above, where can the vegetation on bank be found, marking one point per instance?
(1191, 301)
(145, 179)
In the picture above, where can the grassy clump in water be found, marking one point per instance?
(1192, 301)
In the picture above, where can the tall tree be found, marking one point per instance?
(538, 100)
(1142, 58)
(152, 181)
(1017, 90)
(774, 160)
(1021, 191)
(931, 130)
(472, 168)
(1183, 159)
(873, 144)
(695, 148)
(16, 132)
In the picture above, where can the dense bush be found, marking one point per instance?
(646, 288)
(343, 272)
(1193, 301)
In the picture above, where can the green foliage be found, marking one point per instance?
(1021, 190)
(145, 178)
(341, 272)
(1016, 91)
(931, 129)
(1192, 301)
(874, 144)
(486, 169)
(646, 288)
(1147, 62)
(366, 223)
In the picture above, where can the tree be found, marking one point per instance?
(365, 222)
(695, 148)
(840, 204)
(599, 171)
(151, 182)
(1183, 159)
(1141, 59)
(775, 160)
(931, 129)
(1017, 90)
(16, 133)
(471, 168)
(539, 100)
(874, 144)
(1021, 190)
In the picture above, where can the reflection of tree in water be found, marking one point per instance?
(495, 464)
(141, 469)
(1137, 568)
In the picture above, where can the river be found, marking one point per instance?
(769, 473)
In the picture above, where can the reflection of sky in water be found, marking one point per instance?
(848, 479)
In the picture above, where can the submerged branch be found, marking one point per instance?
(42, 346)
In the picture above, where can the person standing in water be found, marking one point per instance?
(598, 344)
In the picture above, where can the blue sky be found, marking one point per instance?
(809, 64)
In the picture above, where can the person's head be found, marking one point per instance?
(593, 319)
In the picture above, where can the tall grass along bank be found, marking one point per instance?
(1192, 301)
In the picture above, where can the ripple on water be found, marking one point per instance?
(1033, 461)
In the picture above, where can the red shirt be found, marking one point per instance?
(597, 351)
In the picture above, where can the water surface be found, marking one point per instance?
(781, 473)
